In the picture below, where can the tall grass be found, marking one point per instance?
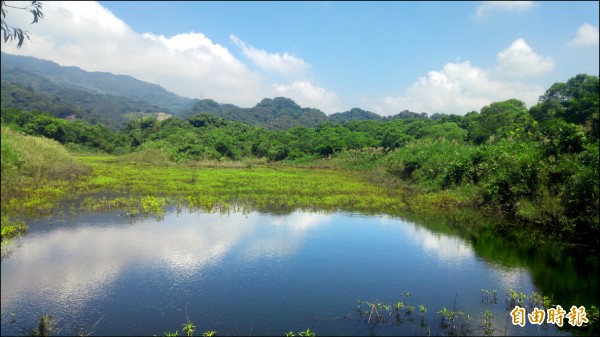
(32, 160)
(31, 164)
(28, 163)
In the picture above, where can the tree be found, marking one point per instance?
(576, 101)
(205, 120)
(499, 119)
(10, 33)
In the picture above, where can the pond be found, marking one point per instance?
(254, 274)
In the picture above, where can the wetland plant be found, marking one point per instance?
(422, 311)
(307, 333)
(301, 333)
(515, 298)
(209, 333)
(457, 322)
(188, 328)
(488, 296)
(488, 317)
(45, 326)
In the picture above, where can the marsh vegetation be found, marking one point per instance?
(519, 185)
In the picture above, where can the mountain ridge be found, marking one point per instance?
(112, 98)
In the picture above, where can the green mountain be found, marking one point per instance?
(94, 82)
(27, 91)
(279, 113)
(405, 114)
(283, 113)
(353, 115)
(29, 83)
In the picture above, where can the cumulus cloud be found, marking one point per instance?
(519, 61)
(307, 94)
(587, 35)
(457, 89)
(461, 87)
(487, 7)
(303, 91)
(87, 35)
(286, 64)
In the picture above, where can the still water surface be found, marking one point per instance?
(242, 274)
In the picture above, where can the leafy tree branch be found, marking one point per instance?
(10, 33)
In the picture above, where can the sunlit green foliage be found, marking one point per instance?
(75, 133)
(536, 167)
(140, 188)
(34, 160)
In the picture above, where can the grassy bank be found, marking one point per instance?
(30, 163)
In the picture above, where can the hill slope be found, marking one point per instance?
(28, 91)
(95, 82)
(279, 113)
(29, 83)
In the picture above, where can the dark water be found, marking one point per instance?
(251, 274)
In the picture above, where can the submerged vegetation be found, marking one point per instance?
(405, 316)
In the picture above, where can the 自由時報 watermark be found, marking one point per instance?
(576, 316)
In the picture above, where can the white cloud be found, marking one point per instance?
(86, 35)
(307, 94)
(456, 89)
(461, 87)
(286, 64)
(487, 7)
(519, 61)
(587, 35)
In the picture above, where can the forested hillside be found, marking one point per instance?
(29, 83)
(354, 114)
(279, 113)
(92, 82)
(38, 93)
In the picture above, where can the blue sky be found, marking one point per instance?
(446, 57)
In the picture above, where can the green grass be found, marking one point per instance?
(263, 188)
(36, 172)
(28, 160)
(141, 187)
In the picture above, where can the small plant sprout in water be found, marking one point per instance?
(536, 300)
(45, 326)
(446, 315)
(488, 296)
(188, 328)
(515, 298)
(399, 307)
(422, 311)
(307, 333)
(408, 311)
(488, 330)
(209, 333)
(301, 333)
(458, 323)
(172, 334)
